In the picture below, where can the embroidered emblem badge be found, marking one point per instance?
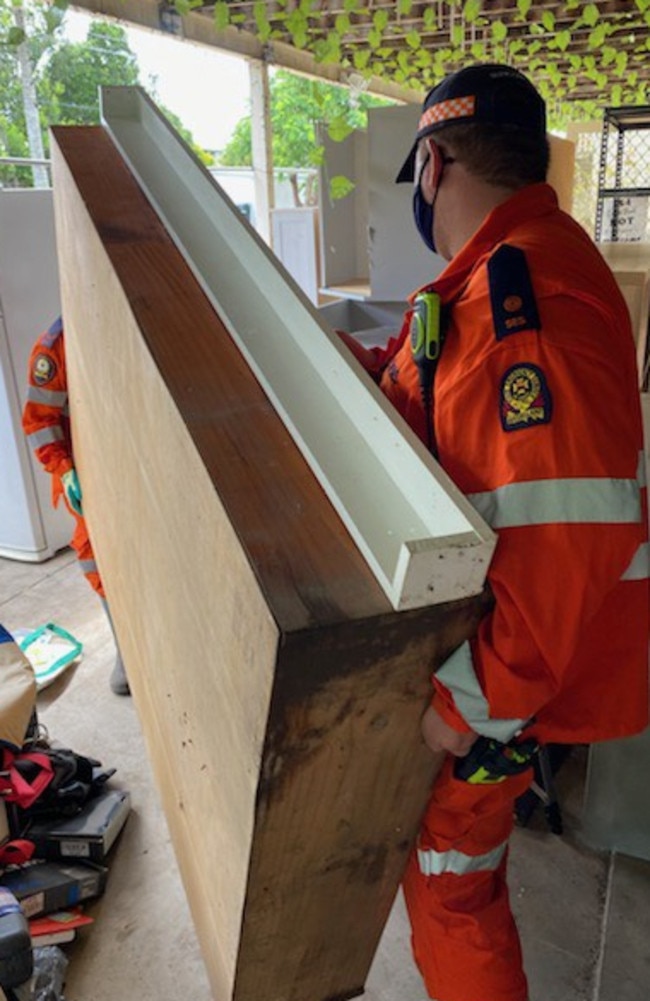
(525, 397)
(43, 370)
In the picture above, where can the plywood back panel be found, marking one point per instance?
(561, 170)
(630, 263)
(279, 693)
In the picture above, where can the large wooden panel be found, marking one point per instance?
(278, 691)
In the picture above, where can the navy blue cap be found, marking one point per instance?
(487, 92)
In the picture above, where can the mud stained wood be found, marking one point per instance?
(278, 693)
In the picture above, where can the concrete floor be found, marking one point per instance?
(584, 916)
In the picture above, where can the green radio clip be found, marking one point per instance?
(425, 327)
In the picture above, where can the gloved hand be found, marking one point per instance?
(439, 736)
(72, 489)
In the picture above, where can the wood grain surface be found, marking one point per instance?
(278, 693)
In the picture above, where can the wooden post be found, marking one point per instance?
(262, 151)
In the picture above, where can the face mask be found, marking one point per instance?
(423, 213)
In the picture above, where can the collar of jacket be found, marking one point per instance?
(531, 202)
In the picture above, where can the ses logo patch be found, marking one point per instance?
(525, 397)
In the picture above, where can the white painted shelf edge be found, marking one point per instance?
(420, 536)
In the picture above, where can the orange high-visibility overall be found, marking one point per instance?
(47, 426)
(537, 420)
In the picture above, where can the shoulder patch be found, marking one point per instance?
(525, 397)
(43, 369)
(511, 292)
(52, 335)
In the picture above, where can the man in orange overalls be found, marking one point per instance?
(533, 409)
(46, 424)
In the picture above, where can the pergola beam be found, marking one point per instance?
(199, 29)
(196, 27)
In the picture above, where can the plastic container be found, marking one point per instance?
(16, 953)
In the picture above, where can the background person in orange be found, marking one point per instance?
(517, 367)
(47, 426)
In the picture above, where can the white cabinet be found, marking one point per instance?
(30, 528)
(294, 243)
(370, 247)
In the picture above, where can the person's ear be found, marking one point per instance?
(434, 165)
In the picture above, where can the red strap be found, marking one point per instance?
(16, 852)
(14, 788)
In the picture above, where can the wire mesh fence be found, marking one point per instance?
(623, 209)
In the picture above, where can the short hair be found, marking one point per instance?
(502, 155)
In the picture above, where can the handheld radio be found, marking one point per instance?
(425, 347)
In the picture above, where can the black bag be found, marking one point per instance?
(59, 782)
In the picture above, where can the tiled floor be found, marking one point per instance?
(584, 916)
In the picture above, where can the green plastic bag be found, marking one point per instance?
(50, 650)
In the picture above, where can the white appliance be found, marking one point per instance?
(30, 528)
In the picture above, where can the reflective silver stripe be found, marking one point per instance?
(433, 863)
(88, 566)
(50, 397)
(639, 568)
(45, 436)
(458, 675)
(543, 502)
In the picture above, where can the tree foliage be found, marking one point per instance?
(27, 32)
(299, 106)
(75, 71)
(66, 77)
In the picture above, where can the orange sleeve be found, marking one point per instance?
(556, 476)
(44, 417)
(375, 360)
